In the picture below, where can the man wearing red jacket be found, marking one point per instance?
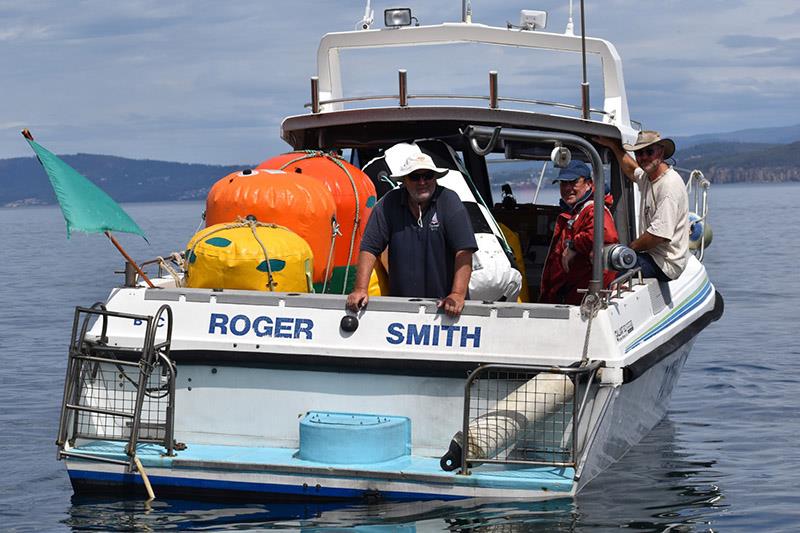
(568, 266)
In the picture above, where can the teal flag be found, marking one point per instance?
(85, 206)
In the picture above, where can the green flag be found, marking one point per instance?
(85, 206)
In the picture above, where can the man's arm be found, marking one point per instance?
(626, 162)
(360, 295)
(646, 241)
(453, 304)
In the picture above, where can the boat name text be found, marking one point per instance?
(429, 335)
(262, 326)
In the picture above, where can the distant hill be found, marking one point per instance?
(779, 135)
(720, 162)
(729, 162)
(24, 181)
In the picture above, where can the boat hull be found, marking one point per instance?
(266, 474)
(633, 411)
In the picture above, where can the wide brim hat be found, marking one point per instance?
(576, 169)
(406, 158)
(647, 138)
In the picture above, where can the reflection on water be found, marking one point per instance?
(671, 490)
(675, 493)
(115, 515)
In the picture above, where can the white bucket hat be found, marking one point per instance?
(404, 159)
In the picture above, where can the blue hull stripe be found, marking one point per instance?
(240, 486)
(681, 311)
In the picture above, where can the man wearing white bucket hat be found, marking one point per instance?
(663, 243)
(430, 239)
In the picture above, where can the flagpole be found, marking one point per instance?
(129, 260)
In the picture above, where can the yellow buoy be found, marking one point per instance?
(250, 256)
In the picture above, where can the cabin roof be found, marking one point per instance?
(383, 126)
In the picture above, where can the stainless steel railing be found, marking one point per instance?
(403, 97)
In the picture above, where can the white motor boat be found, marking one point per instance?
(264, 394)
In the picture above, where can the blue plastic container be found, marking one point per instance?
(353, 438)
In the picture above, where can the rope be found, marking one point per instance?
(171, 271)
(334, 232)
(270, 280)
(310, 154)
(476, 192)
(146, 480)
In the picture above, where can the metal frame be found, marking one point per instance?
(615, 103)
(83, 351)
(557, 139)
(624, 283)
(574, 373)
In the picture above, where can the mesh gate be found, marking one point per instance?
(114, 388)
(515, 414)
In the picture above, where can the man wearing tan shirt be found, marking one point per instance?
(663, 244)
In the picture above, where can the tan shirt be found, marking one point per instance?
(664, 212)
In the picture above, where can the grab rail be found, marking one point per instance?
(699, 185)
(403, 97)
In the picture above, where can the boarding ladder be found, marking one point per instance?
(115, 394)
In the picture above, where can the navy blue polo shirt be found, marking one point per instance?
(421, 258)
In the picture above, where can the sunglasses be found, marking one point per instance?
(648, 152)
(421, 176)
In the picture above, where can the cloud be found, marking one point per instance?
(210, 81)
(749, 41)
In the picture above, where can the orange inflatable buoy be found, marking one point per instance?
(354, 195)
(301, 203)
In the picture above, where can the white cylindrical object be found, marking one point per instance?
(492, 433)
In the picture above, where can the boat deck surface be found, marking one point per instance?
(242, 462)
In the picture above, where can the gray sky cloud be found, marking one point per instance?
(209, 81)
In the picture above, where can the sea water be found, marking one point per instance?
(725, 458)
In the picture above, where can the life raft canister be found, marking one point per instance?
(354, 195)
(299, 202)
(228, 256)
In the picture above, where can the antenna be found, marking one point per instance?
(585, 84)
(570, 28)
(369, 16)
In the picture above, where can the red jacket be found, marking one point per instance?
(577, 225)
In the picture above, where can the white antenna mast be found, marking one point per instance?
(570, 28)
(466, 11)
(369, 17)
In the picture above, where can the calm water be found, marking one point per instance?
(725, 458)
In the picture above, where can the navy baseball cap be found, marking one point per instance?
(573, 171)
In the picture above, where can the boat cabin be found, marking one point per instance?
(448, 135)
(474, 139)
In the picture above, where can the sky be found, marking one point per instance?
(210, 81)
